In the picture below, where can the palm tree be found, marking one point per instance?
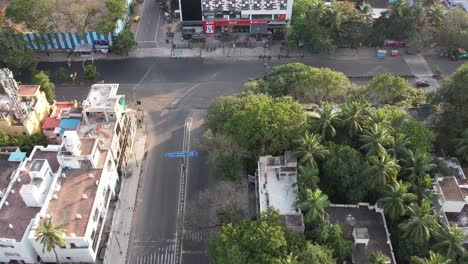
(449, 242)
(313, 203)
(377, 257)
(382, 170)
(436, 15)
(310, 149)
(400, 146)
(354, 116)
(434, 258)
(308, 177)
(375, 139)
(326, 121)
(461, 147)
(422, 187)
(417, 164)
(51, 236)
(420, 225)
(395, 200)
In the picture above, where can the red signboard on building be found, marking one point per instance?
(209, 26)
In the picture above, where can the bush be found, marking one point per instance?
(47, 87)
(90, 73)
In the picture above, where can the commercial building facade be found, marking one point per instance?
(257, 17)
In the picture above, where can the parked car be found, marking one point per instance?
(422, 84)
(136, 18)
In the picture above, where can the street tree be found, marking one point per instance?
(90, 72)
(327, 85)
(266, 125)
(388, 89)
(420, 225)
(452, 32)
(225, 154)
(51, 236)
(124, 43)
(217, 206)
(223, 109)
(396, 199)
(260, 241)
(313, 204)
(289, 79)
(310, 150)
(41, 78)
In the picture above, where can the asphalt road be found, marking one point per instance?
(150, 28)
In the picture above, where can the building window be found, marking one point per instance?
(24, 134)
(68, 258)
(73, 245)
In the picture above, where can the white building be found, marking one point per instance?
(107, 119)
(276, 179)
(25, 187)
(79, 199)
(452, 201)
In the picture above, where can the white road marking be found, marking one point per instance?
(157, 28)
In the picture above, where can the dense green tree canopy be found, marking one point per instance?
(308, 84)
(387, 89)
(265, 124)
(261, 241)
(343, 170)
(333, 237)
(316, 254)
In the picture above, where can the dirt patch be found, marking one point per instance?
(70, 15)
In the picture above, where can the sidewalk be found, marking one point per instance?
(117, 245)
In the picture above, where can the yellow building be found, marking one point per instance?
(35, 107)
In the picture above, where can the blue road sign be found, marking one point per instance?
(181, 154)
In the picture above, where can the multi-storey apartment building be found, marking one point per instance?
(23, 108)
(107, 119)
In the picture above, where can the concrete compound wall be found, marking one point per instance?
(68, 40)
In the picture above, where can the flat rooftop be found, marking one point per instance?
(101, 96)
(70, 202)
(97, 128)
(6, 169)
(87, 145)
(363, 217)
(451, 189)
(28, 90)
(276, 185)
(16, 213)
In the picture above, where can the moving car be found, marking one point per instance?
(458, 54)
(422, 84)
